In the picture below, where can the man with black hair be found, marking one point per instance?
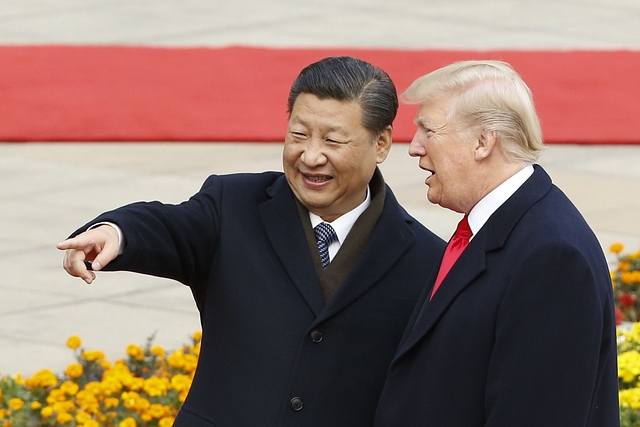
(304, 280)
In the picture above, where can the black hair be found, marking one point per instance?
(349, 79)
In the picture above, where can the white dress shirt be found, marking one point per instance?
(343, 224)
(481, 212)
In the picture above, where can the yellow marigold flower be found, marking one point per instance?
(111, 402)
(8, 423)
(197, 336)
(65, 406)
(16, 404)
(4, 413)
(190, 362)
(46, 412)
(36, 405)
(196, 349)
(128, 422)
(180, 382)
(157, 411)
(110, 385)
(624, 266)
(129, 399)
(74, 370)
(176, 359)
(90, 423)
(69, 388)
(158, 351)
(64, 417)
(629, 366)
(616, 248)
(88, 401)
(166, 422)
(136, 384)
(106, 365)
(44, 378)
(142, 405)
(18, 379)
(93, 355)
(74, 342)
(93, 387)
(156, 386)
(56, 395)
(82, 417)
(135, 351)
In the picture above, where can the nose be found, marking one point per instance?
(417, 149)
(313, 154)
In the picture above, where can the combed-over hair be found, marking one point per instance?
(489, 95)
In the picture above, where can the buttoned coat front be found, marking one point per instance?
(521, 332)
(273, 354)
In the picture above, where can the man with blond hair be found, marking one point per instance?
(516, 327)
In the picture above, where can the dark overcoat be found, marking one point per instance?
(273, 354)
(521, 332)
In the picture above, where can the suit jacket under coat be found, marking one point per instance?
(240, 245)
(521, 332)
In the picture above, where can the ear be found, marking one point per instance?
(485, 144)
(383, 144)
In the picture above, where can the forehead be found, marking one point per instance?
(434, 110)
(310, 110)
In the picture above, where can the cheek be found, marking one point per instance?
(290, 153)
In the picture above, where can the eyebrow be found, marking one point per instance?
(334, 128)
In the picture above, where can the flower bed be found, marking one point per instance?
(626, 284)
(144, 389)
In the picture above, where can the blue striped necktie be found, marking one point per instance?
(325, 235)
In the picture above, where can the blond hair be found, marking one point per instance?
(487, 94)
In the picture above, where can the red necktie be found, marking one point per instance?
(456, 245)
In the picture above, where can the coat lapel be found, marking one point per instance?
(282, 224)
(471, 263)
(390, 233)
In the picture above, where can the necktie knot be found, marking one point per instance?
(325, 235)
(463, 231)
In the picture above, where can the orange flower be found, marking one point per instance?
(616, 248)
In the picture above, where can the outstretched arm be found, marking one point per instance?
(99, 245)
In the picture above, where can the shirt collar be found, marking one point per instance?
(343, 224)
(481, 212)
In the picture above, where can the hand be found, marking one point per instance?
(99, 245)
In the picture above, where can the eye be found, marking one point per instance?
(334, 141)
(298, 134)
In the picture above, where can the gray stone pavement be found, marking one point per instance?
(50, 189)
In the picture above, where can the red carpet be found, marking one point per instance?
(79, 93)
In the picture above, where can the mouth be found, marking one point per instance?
(317, 179)
(432, 173)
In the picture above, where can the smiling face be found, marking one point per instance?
(329, 157)
(447, 156)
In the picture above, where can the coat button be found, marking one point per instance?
(316, 336)
(297, 404)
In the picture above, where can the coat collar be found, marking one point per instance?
(282, 224)
(471, 263)
(284, 229)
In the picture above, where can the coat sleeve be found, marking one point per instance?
(165, 240)
(549, 343)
